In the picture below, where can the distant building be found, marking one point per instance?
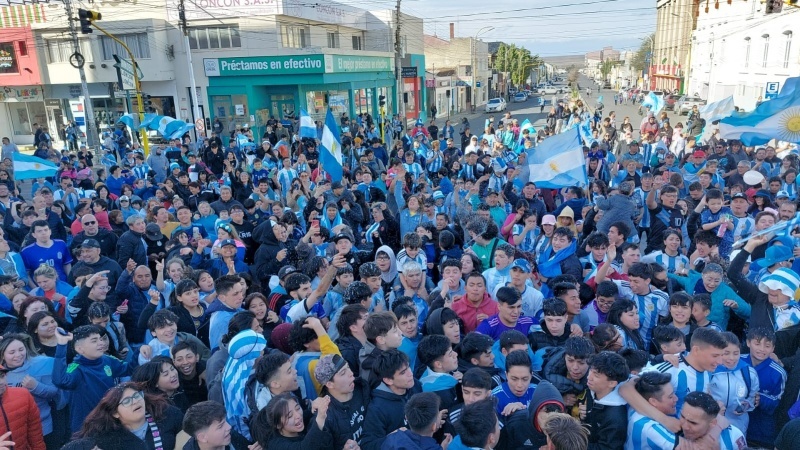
(675, 20)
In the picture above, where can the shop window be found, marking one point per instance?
(333, 39)
(24, 115)
(294, 36)
(138, 43)
(357, 43)
(215, 37)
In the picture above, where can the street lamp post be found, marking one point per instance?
(474, 58)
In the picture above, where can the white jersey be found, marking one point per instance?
(645, 433)
(685, 379)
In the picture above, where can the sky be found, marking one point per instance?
(545, 27)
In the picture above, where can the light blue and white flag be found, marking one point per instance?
(27, 167)
(130, 119)
(585, 128)
(330, 156)
(654, 102)
(717, 110)
(526, 125)
(180, 131)
(778, 118)
(558, 162)
(307, 127)
(149, 118)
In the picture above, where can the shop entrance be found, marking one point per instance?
(282, 106)
(55, 116)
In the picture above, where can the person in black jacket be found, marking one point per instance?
(349, 398)
(131, 245)
(272, 253)
(567, 367)
(389, 399)
(350, 325)
(555, 326)
(773, 293)
(388, 232)
(280, 425)
(119, 414)
(606, 411)
(91, 230)
(523, 429)
(215, 159)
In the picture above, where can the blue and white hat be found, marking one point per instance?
(784, 280)
(499, 165)
(437, 195)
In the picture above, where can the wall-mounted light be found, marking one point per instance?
(91, 66)
(103, 65)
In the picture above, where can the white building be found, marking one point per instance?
(468, 58)
(737, 50)
(251, 60)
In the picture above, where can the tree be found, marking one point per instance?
(517, 62)
(605, 68)
(639, 61)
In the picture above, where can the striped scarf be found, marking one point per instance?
(243, 350)
(371, 229)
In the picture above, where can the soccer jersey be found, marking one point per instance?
(685, 379)
(528, 240)
(653, 304)
(532, 300)
(57, 256)
(673, 264)
(506, 397)
(494, 327)
(645, 433)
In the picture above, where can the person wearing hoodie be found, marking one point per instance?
(386, 261)
(397, 385)
(387, 229)
(567, 368)
(735, 384)
(273, 251)
(606, 411)
(523, 429)
(422, 416)
(21, 416)
(619, 207)
(573, 199)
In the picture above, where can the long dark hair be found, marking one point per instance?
(619, 307)
(269, 420)
(240, 321)
(101, 419)
(148, 374)
(183, 286)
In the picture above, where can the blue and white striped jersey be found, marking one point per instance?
(685, 379)
(645, 433)
(652, 305)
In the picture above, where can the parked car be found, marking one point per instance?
(685, 104)
(520, 97)
(669, 102)
(607, 85)
(496, 105)
(549, 90)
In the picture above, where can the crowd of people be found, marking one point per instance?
(232, 294)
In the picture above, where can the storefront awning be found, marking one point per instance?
(13, 16)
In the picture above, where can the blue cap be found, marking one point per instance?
(522, 264)
(227, 242)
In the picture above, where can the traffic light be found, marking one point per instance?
(86, 17)
(147, 102)
(773, 6)
(381, 100)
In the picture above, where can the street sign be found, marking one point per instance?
(125, 73)
(772, 89)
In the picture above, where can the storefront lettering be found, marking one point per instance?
(350, 65)
(289, 64)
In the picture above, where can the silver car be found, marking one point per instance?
(496, 105)
(685, 104)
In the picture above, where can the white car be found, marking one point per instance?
(684, 104)
(549, 90)
(520, 97)
(496, 105)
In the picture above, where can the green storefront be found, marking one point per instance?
(251, 90)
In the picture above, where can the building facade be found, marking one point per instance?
(468, 59)
(675, 21)
(738, 50)
(250, 60)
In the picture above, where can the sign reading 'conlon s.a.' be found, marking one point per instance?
(295, 65)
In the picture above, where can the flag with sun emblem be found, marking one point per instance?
(778, 118)
(330, 155)
(559, 162)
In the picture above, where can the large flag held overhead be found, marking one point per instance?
(307, 127)
(558, 162)
(27, 167)
(717, 110)
(330, 155)
(655, 102)
(778, 118)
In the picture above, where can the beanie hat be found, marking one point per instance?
(783, 279)
(327, 367)
(280, 338)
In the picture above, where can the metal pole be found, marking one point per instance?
(398, 65)
(192, 83)
(138, 83)
(92, 137)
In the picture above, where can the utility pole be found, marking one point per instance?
(77, 60)
(398, 65)
(193, 88)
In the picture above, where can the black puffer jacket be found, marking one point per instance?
(131, 245)
(266, 258)
(541, 339)
(555, 371)
(521, 430)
